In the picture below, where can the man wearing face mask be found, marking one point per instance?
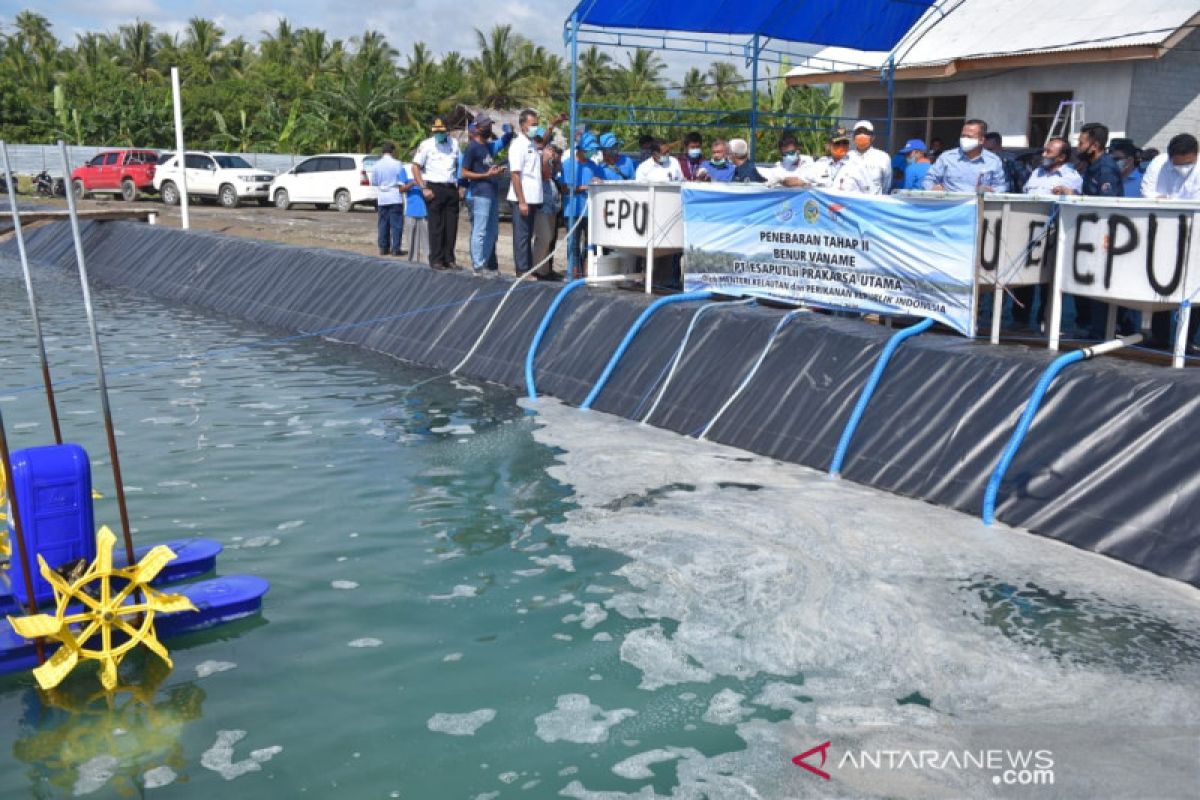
(1126, 156)
(876, 164)
(916, 163)
(661, 166)
(839, 170)
(435, 169)
(615, 165)
(1055, 175)
(792, 168)
(693, 157)
(525, 190)
(1174, 175)
(717, 167)
(969, 167)
(744, 170)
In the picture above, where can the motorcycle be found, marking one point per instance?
(45, 186)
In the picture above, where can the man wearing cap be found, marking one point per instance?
(839, 170)
(525, 190)
(615, 166)
(482, 174)
(577, 175)
(969, 167)
(435, 169)
(876, 164)
(916, 164)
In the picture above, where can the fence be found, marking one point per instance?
(30, 159)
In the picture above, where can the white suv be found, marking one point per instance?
(338, 179)
(227, 178)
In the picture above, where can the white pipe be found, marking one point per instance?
(1109, 346)
(181, 154)
(1181, 334)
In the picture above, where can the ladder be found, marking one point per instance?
(1067, 121)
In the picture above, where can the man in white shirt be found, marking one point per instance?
(435, 169)
(839, 170)
(661, 166)
(876, 164)
(525, 190)
(793, 169)
(1055, 175)
(1174, 174)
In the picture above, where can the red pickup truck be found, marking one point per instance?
(123, 172)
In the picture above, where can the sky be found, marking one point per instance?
(443, 25)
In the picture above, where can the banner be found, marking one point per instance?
(867, 253)
(1137, 251)
(1014, 241)
(628, 216)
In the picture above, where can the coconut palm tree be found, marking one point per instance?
(594, 73)
(494, 78)
(314, 55)
(279, 46)
(725, 80)
(138, 49)
(695, 87)
(643, 74)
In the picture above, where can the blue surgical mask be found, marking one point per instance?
(664, 158)
(539, 132)
(694, 153)
(790, 159)
(441, 138)
(717, 162)
(591, 153)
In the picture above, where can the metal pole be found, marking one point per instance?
(100, 379)
(572, 233)
(181, 157)
(19, 532)
(754, 99)
(891, 98)
(33, 311)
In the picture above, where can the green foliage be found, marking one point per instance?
(299, 90)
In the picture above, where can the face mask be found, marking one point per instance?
(694, 153)
(538, 133)
(441, 138)
(663, 159)
(790, 158)
(1048, 162)
(718, 162)
(839, 152)
(1183, 170)
(913, 158)
(862, 141)
(591, 153)
(968, 144)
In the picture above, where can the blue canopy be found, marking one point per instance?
(862, 24)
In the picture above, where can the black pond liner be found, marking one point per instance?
(1111, 464)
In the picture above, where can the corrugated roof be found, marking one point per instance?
(959, 30)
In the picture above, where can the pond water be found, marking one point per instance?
(475, 597)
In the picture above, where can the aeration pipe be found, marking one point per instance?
(650, 310)
(868, 391)
(544, 325)
(788, 317)
(1031, 409)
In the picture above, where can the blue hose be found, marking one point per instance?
(543, 327)
(869, 390)
(1014, 443)
(633, 331)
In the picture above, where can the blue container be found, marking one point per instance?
(53, 486)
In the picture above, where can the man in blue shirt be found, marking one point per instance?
(718, 168)
(616, 166)
(391, 181)
(968, 168)
(916, 164)
(481, 175)
(577, 174)
(1125, 154)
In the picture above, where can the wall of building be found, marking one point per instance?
(1002, 99)
(1166, 95)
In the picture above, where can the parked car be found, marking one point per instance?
(229, 179)
(338, 179)
(124, 172)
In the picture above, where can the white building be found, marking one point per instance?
(1135, 66)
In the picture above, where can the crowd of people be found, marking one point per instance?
(421, 204)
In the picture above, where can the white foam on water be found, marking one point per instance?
(456, 430)
(594, 588)
(638, 767)
(529, 573)
(452, 657)
(158, 777)
(461, 590)
(366, 641)
(855, 598)
(219, 757)
(287, 526)
(461, 724)
(206, 668)
(259, 541)
(94, 774)
(725, 708)
(565, 563)
(563, 637)
(508, 777)
(345, 585)
(602, 636)
(591, 616)
(576, 719)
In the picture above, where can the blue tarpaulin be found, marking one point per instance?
(861, 24)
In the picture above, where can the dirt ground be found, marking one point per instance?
(301, 225)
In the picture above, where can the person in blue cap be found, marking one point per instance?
(916, 163)
(577, 174)
(616, 166)
(482, 174)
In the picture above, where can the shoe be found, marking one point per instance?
(439, 267)
(548, 276)
(398, 253)
(383, 252)
(452, 266)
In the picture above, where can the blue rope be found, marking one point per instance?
(1018, 436)
(540, 334)
(633, 331)
(868, 391)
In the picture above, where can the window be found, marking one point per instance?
(97, 161)
(233, 162)
(308, 166)
(165, 157)
(141, 157)
(111, 159)
(1042, 108)
(924, 118)
(197, 161)
(345, 163)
